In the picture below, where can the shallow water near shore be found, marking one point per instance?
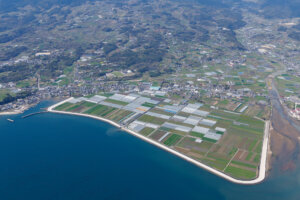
(54, 156)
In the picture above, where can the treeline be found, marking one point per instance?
(7, 37)
(57, 64)
(12, 53)
(16, 72)
(129, 58)
(230, 37)
(20, 95)
(151, 51)
(51, 67)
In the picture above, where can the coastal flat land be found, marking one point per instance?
(227, 141)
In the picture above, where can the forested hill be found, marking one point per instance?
(270, 8)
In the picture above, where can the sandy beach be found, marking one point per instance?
(263, 161)
(15, 112)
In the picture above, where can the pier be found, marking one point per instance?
(35, 113)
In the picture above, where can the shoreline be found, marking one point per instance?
(15, 112)
(263, 161)
(28, 106)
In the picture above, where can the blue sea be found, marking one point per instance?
(63, 157)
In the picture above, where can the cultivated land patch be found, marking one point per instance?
(122, 103)
(157, 134)
(63, 106)
(226, 140)
(146, 131)
(172, 140)
(151, 119)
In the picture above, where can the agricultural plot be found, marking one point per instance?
(287, 87)
(113, 101)
(63, 106)
(157, 134)
(94, 110)
(100, 110)
(240, 172)
(88, 104)
(80, 107)
(254, 110)
(172, 140)
(160, 111)
(151, 119)
(178, 132)
(227, 140)
(192, 145)
(216, 161)
(232, 105)
(146, 131)
(146, 104)
(119, 115)
(239, 146)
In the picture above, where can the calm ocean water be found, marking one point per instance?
(52, 156)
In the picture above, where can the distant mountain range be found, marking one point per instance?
(152, 36)
(270, 8)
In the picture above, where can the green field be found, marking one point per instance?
(209, 140)
(146, 131)
(88, 104)
(4, 93)
(225, 115)
(150, 105)
(78, 107)
(257, 158)
(243, 164)
(122, 103)
(195, 134)
(252, 145)
(249, 156)
(240, 173)
(119, 115)
(217, 161)
(151, 119)
(63, 106)
(94, 109)
(173, 139)
(232, 151)
(73, 107)
(178, 132)
(159, 111)
(181, 123)
(23, 84)
(100, 110)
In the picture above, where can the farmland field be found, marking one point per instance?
(228, 141)
(122, 103)
(100, 110)
(119, 115)
(151, 119)
(240, 173)
(146, 131)
(173, 139)
(63, 106)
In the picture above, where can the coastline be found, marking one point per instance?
(263, 161)
(15, 112)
